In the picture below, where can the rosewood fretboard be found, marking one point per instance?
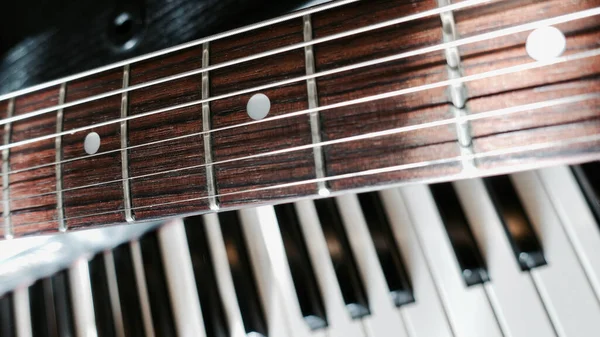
(52, 184)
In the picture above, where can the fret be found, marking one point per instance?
(267, 136)
(457, 91)
(400, 111)
(33, 199)
(561, 122)
(85, 191)
(60, 211)
(8, 230)
(173, 156)
(313, 102)
(206, 123)
(124, 153)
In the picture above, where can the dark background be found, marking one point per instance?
(42, 40)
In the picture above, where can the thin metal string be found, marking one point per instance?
(370, 135)
(456, 43)
(404, 19)
(390, 169)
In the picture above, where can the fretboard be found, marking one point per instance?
(361, 95)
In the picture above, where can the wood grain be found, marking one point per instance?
(33, 215)
(399, 111)
(563, 80)
(265, 137)
(79, 203)
(3, 114)
(173, 155)
(246, 182)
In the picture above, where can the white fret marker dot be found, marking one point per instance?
(91, 143)
(545, 43)
(258, 106)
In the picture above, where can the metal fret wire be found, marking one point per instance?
(395, 168)
(370, 135)
(169, 50)
(272, 52)
(456, 43)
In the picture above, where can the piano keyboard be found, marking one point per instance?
(511, 256)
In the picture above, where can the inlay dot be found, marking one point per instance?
(545, 43)
(258, 106)
(91, 144)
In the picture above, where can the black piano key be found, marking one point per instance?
(62, 304)
(588, 177)
(465, 248)
(7, 316)
(342, 257)
(525, 244)
(133, 323)
(105, 324)
(213, 313)
(303, 274)
(387, 251)
(243, 275)
(40, 307)
(158, 293)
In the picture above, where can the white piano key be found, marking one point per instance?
(140, 279)
(567, 294)
(261, 224)
(425, 317)
(223, 275)
(339, 322)
(576, 217)
(512, 292)
(22, 312)
(83, 307)
(269, 287)
(468, 308)
(180, 279)
(384, 317)
(113, 289)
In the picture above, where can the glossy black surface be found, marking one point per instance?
(41, 308)
(213, 314)
(243, 275)
(588, 177)
(101, 297)
(7, 316)
(303, 274)
(156, 283)
(389, 256)
(62, 304)
(342, 257)
(128, 292)
(523, 240)
(471, 263)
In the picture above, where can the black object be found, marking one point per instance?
(105, 324)
(128, 292)
(303, 274)
(588, 177)
(242, 273)
(213, 313)
(465, 248)
(63, 309)
(387, 251)
(523, 240)
(156, 282)
(343, 260)
(7, 316)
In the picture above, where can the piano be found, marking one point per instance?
(510, 255)
(350, 169)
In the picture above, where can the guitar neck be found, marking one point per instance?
(354, 95)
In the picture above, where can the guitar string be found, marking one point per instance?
(233, 32)
(389, 169)
(389, 132)
(464, 79)
(404, 19)
(456, 43)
